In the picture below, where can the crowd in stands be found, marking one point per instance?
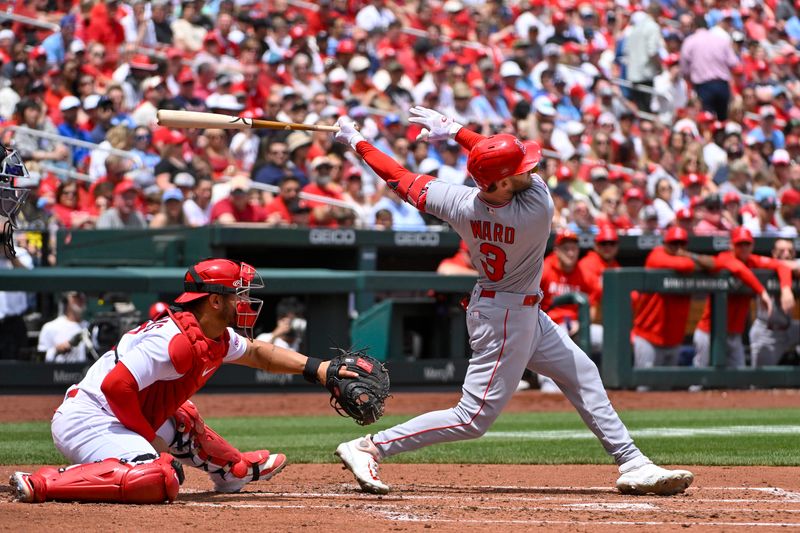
(651, 114)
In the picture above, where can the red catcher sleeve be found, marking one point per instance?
(411, 187)
(729, 262)
(784, 272)
(122, 393)
(658, 258)
(467, 138)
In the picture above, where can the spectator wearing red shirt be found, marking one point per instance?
(712, 223)
(287, 208)
(323, 214)
(236, 208)
(592, 266)
(739, 260)
(104, 28)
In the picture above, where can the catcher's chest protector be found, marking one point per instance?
(192, 354)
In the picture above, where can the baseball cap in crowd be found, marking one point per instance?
(346, 46)
(767, 111)
(183, 179)
(69, 102)
(271, 57)
(461, 90)
(20, 69)
(712, 201)
(739, 166)
(733, 128)
(429, 165)
(790, 197)
(741, 234)
(551, 50)
(544, 106)
(91, 101)
(598, 173)
(671, 59)
(573, 128)
(606, 119)
(172, 194)
(359, 111)
(77, 46)
(124, 186)
(239, 185)
(143, 62)
(297, 140)
(606, 234)
(186, 76)
(685, 213)
(358, 64)
(320, 161)
(781, 157)
(634, 193)
(731, 198)
(152, 82)
(162, 136)
(693, 178)
(649, 213)
(676, 234)
(563, 173)
(391, 120)
(337, 75)
(766, 197)
(565, 235)
(705, 117)
(509, 69)
(7, 34)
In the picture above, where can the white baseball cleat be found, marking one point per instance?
(647, 478)
(21, 487)
(360, 456)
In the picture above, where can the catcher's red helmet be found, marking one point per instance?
(501, 156)
(223, 276)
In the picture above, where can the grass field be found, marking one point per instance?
(697, 437)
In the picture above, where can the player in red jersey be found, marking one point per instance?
(739, 304)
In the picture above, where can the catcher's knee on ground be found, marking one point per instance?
(155, 480)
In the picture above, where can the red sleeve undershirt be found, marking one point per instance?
(729, 262)
(783, 271)
(122, 392)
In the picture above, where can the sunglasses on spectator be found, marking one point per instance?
(143, 137)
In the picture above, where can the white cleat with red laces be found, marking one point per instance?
(360, 456)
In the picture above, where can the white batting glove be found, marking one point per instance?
(435, 126)
(348, 132)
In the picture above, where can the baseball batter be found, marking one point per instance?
(133, 406)
(505, 223)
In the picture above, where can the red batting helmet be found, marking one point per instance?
(501, 156)
(223, 276)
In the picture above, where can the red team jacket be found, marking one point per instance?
(556, 282)
(592, 267)
(739, 304)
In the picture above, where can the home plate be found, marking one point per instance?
(609, 506)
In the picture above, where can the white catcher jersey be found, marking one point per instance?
(506, 242)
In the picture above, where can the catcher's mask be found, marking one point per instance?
(11, 197)
(223, 276)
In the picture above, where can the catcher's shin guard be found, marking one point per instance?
(195, 444)
(111, 480)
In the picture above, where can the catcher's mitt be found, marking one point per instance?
(361, 398)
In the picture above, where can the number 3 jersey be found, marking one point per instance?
(506, 242)
(169, 359)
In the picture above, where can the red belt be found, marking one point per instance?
(529, 300)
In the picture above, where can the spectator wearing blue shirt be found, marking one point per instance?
(57, 44)
(766, 131)
(492, 106)
(69, 107)
(404, 216)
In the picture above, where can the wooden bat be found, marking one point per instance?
(195, 119)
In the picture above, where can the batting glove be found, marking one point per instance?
(435, 126)
(348, 134)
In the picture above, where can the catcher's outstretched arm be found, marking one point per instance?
(276, 360)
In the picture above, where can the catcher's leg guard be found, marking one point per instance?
(110, 480)
(195, 444)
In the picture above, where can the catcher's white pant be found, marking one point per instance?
(767, 346)
(84, 433)
(506, 338)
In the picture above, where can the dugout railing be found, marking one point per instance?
(617, 366)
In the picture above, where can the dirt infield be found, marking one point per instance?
(440, 497)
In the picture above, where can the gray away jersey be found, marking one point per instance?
(506, 243)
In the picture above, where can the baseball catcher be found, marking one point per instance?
(129, 426)
(12, 197)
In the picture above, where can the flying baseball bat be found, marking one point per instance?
(195, 119)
